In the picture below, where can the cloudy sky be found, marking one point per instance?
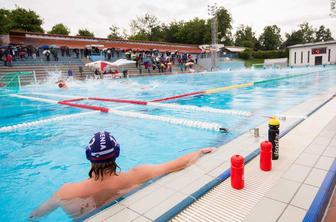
(98, 15)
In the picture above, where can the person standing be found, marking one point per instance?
(70, 74)
(80, 68)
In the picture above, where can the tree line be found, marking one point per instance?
(195, 31)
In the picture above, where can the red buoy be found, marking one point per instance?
(266, 156)
(237, 172)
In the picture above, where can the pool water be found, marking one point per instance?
(36, 161)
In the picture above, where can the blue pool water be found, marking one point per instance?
(36, 161)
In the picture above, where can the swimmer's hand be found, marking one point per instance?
(207, 150)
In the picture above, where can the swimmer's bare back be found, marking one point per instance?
(78, 199)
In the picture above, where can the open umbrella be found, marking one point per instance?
(100, 65)
(122, 62)
(53, 46)
(44, 47)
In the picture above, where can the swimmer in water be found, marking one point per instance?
(61, 84)
(105, 183)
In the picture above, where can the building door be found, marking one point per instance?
(318, 60)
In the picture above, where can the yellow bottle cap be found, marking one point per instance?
(273, 121)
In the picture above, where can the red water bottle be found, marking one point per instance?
(237, 172)
(266, 156)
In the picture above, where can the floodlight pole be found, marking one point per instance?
(332, 8)
(212, 12)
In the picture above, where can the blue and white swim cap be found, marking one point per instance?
(102, 148)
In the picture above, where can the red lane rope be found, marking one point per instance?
(178, 96)
(98, 108)
(137, 102)
(73, 100)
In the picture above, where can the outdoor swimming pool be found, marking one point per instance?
(36, 160)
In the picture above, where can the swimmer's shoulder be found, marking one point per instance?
(72, 190)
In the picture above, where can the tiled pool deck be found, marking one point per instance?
(283, 194)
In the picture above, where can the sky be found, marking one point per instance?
(98, 15)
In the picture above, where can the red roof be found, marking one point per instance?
(38, 39)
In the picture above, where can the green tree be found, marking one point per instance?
(59, 29)
(196, 31)
(24, 20)
(323, 34)
(245, 37)
(4, 21)
(306, 34)
(85, 32)
(270, 39)
(114, 33)
(224, 26)
(142, 27)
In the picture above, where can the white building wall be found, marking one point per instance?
(306, 49)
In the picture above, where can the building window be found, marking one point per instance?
(294, 57)
(308, 57)
(301, 57)
(329, 52)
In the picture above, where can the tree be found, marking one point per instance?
(224, 26)
(270, 39)
(245, 37)
(114, 34)
(306, 34)
(4, 21)
(85, 32)
(142, 27)
(59, 29)
(24, 20)
(323, 34)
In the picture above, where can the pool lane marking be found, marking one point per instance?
(176, 106)
(34, 98)
(176, 121)
(44, 121)
(55, 95)
(235, 86)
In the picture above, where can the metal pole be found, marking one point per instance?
(212, 11)
(19, 81)
(34, 75)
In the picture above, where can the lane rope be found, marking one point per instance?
(44, 121)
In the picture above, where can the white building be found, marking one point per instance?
(319, 53)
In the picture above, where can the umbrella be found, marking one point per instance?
(44, 47)
(101, 65)
(46, 51)
(122, 62)
(53, 46)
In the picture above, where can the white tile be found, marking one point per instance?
(208, 164)
(164, 206)
(330, 151)
(316, 177)
(283, 191)
(322, 140)
(324, 163)
(107, 213)
(305, 196)
(220, 169)
(196, 185)
(315, 149)
(307, 159)
(139, 194)
(292, 214)
(123, 216)
(296, 172)
(151, 200)
(141, 219)
(272, 207)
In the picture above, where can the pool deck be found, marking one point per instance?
(286, 193)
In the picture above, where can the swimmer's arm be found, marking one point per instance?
(45, 208)
(146, 172)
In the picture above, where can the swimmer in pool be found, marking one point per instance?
(105, 183)
(61, 84)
